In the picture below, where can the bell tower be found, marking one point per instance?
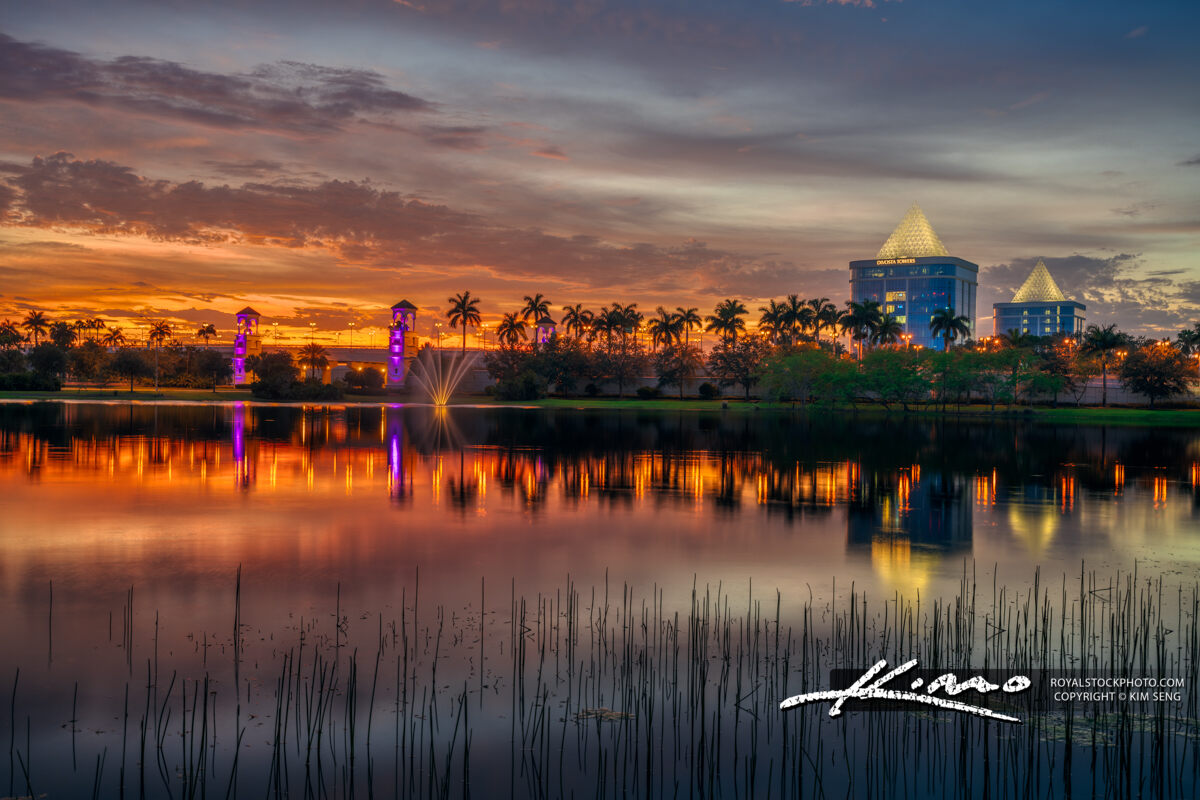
(246, 342)
(402, 341)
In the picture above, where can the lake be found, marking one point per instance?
(440, 602)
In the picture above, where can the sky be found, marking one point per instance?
(320, 161)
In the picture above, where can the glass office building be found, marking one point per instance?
(913, 276)
(1039, 308)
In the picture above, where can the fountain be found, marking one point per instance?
(431, 374)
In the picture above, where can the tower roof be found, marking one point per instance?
(913, 238)
(1039, 287)
(405, 305)
(547, 322)
(248, 312)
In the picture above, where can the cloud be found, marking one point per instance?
(1138, 32)
(550, 152)
(285, 96)
(358, 222)
(1194, 161)
(1113, 288)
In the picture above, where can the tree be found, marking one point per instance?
(1103, 342)
(1015, 338)
(63, 334)
(159, 332)
(206, 332)
(113, 338)
(895, 377)
(464, 310)
(1188, 340)
(795, 376)
(821, 310)
(535, 308)
(726, 320)
(774, 322)
(621, 360)
(738, 361)
(10, 335)
(210, 362)
(511, 329)
(675, 363)
(559, 364)
(576, 320)
(860, 321)
(89, 361)
(130, 364)
(1157, 371)
(663, 328)
(688, 318)
(949, 326)
(35, 323)
(314, 357)
(48, 359)
(888, 331)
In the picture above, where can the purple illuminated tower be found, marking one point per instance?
(401, 341)
(246, 342)
(544, 330)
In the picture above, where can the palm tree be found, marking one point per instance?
(949, 326)
(10, 335)
(726, 320)
(1015, 338)
(63, 334)
(1188, 340)
(629, 317)
(313, 356)
(1102, 342)
(535, 308)
(206, 331)
(774, 321)
(820, 307)
(664, 328)
(36, 323)
(511, 329)
(887, 331)
(688, 318)
(114, 338)
(860, 321)
(576, 319)
(830, 316)
(464, 310)
(159, 332)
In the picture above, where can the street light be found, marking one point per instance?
(438, 326)
(352, 334)
(312, 333)
(275, 328)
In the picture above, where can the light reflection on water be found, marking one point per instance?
(340, 509)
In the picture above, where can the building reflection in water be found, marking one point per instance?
(909, 503)
(906, 522)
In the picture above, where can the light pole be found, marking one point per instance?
(312, 333)
(352, 334)
(275, 328)
(438, 327)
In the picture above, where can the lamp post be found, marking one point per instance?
(275, 328)
(352, 334)
(438, 327)
(312, 333)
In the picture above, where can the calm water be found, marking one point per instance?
(122, 530)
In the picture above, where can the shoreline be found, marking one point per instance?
(1122, 416)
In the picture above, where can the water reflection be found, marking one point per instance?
(912, 492)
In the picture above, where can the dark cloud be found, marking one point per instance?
(288, 95)
(256, 168)
(455, 137)
(355, 220)
(1191, 162)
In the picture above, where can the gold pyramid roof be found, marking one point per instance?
(1039, 287)
(913, 238)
